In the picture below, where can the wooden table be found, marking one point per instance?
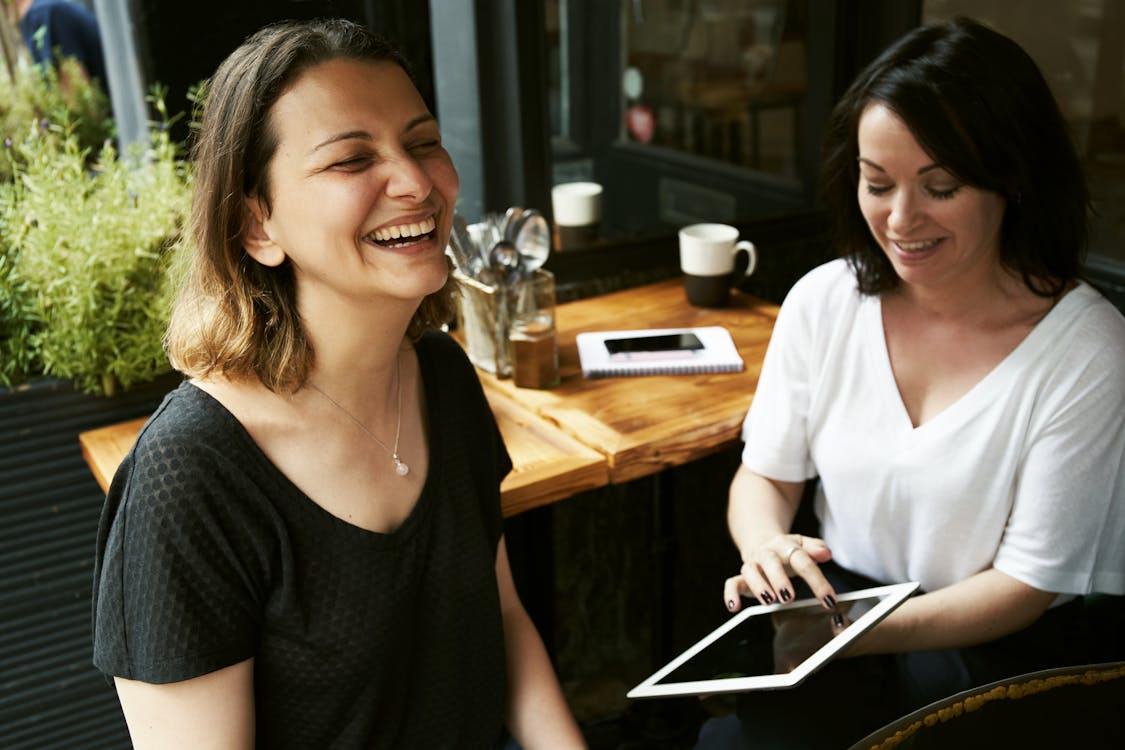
(645, 424)
(547, 465)
(584, 434)
(105, 447)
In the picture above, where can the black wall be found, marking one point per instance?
(51, 696)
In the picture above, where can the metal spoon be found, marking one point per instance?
(505, 262)
(511, 221)
(532, 237)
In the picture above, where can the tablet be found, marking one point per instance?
(768, 647)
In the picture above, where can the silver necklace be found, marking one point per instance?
(400, 466)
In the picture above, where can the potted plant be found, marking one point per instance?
(86, 243)
(88, 237)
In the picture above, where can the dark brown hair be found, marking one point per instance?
(980, 107)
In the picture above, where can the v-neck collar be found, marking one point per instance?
(983, 391)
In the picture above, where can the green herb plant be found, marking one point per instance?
(62, 95)
(87, 243)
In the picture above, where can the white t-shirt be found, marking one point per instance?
(1025, 472)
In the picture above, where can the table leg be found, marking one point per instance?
(664, 543)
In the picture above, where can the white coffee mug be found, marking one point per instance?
(707, 259)
(577, 209)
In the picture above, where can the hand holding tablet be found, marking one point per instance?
(773, 646)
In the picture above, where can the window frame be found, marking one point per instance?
(498, 74)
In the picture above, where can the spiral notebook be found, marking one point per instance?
(658, 351)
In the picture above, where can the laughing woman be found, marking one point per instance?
(304, 548)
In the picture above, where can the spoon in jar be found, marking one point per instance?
(510, 224)
(532, 237)
(505, 261)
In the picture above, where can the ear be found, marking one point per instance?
(256, 237)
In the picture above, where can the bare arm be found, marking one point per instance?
(538, 716)
(212, 712)
(981, 608)
(760, 513)
(760, 508)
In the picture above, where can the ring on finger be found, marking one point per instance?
(789, 554)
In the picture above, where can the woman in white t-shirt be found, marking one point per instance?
(956, 390)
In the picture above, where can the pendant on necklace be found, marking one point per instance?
(400, 467)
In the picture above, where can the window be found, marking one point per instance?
(686, 110)
(721, 80)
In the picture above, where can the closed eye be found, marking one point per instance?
(935, 193)
(942, 195)
(427, 145)
(354, 164)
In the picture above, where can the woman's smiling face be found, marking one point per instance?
(361, 190)
(933, 228)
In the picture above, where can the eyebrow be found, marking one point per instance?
(363, 135)
(873, 165)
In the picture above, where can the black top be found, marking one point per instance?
(207, 555)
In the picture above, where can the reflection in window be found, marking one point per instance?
(569, 139)
(558, 67)
(722, 79)
(1080, 47)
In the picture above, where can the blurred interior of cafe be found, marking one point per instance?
(683, 111)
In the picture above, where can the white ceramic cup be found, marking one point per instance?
(577, 209)
(707, 259)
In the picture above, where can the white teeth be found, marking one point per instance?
(916, 246)
(386, 234)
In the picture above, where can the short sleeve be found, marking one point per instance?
(1068, 517)
(501, 465)
(181, 561)
(466, 414)
(775, 430)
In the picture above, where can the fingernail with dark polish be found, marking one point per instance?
(767, 597)
(838, 620)
(785, 595)
(730, 604)
(830, 601)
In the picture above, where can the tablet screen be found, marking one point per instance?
(773, 646)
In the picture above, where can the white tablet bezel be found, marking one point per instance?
(895, 595)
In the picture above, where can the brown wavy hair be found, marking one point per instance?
(233, 316)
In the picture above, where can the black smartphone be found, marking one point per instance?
(666, 342)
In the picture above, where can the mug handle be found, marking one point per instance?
(752, 254)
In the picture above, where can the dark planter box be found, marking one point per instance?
(50, 694)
